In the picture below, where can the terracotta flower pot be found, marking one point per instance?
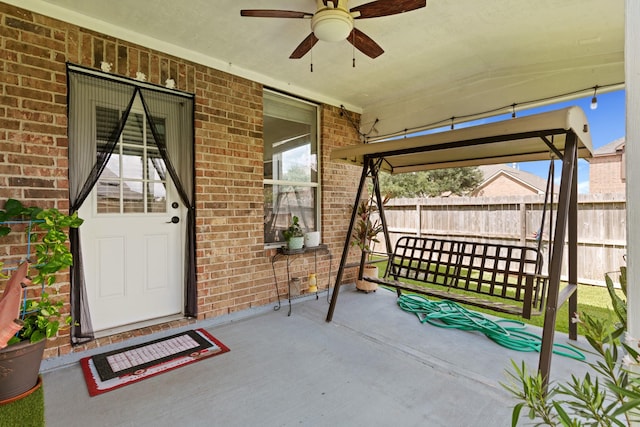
(364, 284)
(19, 368)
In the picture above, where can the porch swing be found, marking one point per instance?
(565, 134)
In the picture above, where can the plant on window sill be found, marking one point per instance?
(294, 229)
(608, 396)
(294, 235)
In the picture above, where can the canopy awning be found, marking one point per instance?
(530, 138)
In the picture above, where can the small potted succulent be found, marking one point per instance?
(40, 316)
(294, 235)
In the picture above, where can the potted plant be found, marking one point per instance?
(294, 235)
(40, 316)
(365, 235)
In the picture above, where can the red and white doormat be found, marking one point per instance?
(107, 371)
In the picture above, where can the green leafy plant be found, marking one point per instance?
(47, 233)
(368, 225)
(42, 320)
(608, 396)
(619, 304)
(294, 229)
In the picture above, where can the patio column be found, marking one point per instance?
(632, 150)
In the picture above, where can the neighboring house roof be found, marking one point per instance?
(491, 172)
(109, 187)
(614, 147)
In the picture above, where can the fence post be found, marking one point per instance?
(419, 219)
(523, 224)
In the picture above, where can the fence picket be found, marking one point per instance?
(515, 220)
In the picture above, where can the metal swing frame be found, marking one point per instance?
(564, 132)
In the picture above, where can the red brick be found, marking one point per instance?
(234, 270)
(24, 92)
(27, 26)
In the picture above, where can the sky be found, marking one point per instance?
(606, 123)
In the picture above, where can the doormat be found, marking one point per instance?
(107, 371)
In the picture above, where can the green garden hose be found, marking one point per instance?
(507, 333)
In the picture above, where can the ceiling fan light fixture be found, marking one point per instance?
(332, 25)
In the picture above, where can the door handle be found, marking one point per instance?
(174, 220)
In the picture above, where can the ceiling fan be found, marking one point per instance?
(334, 23)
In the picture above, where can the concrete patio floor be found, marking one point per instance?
(374, 365)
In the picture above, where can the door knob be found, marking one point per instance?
(174, 220)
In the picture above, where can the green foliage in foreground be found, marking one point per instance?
(619, 298)
(607, 395)
(47, 233)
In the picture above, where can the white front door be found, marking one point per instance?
(132, 236)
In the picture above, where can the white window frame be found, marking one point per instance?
(313, 184)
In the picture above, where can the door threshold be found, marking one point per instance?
(137, 325)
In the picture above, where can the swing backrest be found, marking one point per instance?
(490, 269)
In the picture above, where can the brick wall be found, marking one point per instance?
(339, 184)
(234, 270)
(605, 174)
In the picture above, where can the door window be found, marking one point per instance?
(134, 179)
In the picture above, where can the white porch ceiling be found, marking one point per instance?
(450, 59)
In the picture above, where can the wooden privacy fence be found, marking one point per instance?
(517, 220)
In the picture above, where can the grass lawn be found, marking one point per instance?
(594, 300)
(26, 412)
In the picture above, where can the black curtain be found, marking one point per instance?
(179, 164)
(90, 149)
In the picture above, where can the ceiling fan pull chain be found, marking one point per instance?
(311, 56)
(353, 48)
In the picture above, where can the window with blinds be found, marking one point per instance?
(134, 180)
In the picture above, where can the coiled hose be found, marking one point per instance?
(507, 333)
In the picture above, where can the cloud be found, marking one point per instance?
(583, 187)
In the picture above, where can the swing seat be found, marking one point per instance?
(501, 278)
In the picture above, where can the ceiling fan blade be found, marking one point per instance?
(365, 44)
(270, 13)
(304, 47)
(379, 8)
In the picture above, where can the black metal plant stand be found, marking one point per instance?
(290, 256)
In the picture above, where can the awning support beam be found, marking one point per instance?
(567, 215)
(345, 249)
